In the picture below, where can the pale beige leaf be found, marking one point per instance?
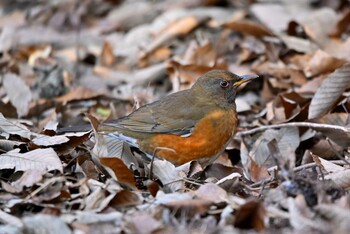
(44, 140)
(18, 92)
(301, 217)
(329, 91)
(337, 216)
(329, 166)
(39, 159)
(166, 172)
(14, 128)
(212, 192)
(342, 178)
(29, 178)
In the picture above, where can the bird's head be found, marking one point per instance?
(220, 86)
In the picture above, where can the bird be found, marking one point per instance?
(192, 124)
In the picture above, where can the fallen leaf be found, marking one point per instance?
(203, 54)
(145, 223)
(341, 178)
(249, 27)
(29, 178)
(168, 175)
(212, 192)
(79, 93)
(321, 63)
(299, 44)
(301, 217)
(342, 24)
(318, 24)
(118, 170)
(329, 91)
(125, 198)
(107, 56)
(43, 140)
(42, 223)
(189, 207)
(39, 159)
(180, 27)
(277, 16)
(18, 92)
(15, 128)
(251, 215)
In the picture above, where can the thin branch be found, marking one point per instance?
(294, 124)
(313, 164)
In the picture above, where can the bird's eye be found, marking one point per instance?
(224, 84)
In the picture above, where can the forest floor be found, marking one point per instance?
(65, 63)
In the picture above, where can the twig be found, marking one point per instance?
(294, 124)
(154, 155)
(43, 186)
(313, 164)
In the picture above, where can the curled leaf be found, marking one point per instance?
(329, 91)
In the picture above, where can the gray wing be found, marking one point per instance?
(173, 114)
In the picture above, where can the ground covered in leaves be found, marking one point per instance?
(65, 63)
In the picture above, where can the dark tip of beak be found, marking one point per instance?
(245, 79)
(249, 77)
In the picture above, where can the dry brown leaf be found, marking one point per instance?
(255, 172)
(157, 56)
(118, 170)
(189, 207)
(183, 76)
(204, 54)
(339, 138)
(39, 159)
(180, 27)
(107, 55)
(329, 91)
(324, 149)
(342, 25)
(321, 63)
(79, 93)
(18, 92)
(339, 48)
(249, 27)
(311, 86)
(251, 215)
(211, 192)
(125, 198)
(319, 24)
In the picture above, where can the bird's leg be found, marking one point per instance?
(156, 149)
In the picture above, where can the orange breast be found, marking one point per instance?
(208, 138)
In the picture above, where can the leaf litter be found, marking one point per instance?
(287, 168)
